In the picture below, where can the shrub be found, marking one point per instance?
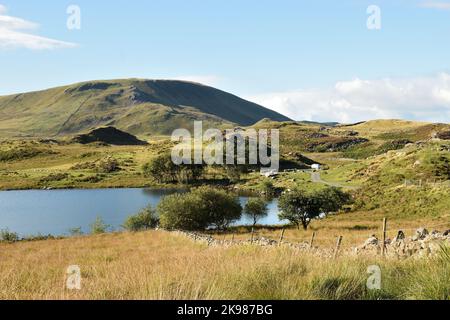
(268, 188)
(108, 165)
(54, 177)
(199, 209)
(181, 211)
(144, 220)
(220, 208)
(75, 232)
(7, 236)
(99, 226)
(19, 154)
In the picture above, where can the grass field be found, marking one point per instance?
(160, 265)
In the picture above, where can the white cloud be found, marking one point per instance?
(436, 5)
(209, 80)
(13, 36)
(420, 98)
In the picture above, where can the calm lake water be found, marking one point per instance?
(56, 211)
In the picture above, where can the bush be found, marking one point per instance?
(19, 154)
(220, 208)
(268, 188)
(75, 232)
(99, 226)
(54, 177)
(144, 220)
(108, 165)
(7, 236)
(181, 211)
(199, 209)
(163, 170)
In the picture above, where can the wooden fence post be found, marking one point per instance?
(281, 237)
(311, 242)
(232, 239)
(383, 243)
(338, 246)
(253, 231)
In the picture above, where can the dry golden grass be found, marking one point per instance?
(162, 265)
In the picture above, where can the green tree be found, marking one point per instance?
(8, 236)
(162, 169)
(181, 211)
(300, 208)
(256, 209)
(99, 226)
(219, 207)
(332, 199)
(199, 209)
(144, 220)
(268, 188)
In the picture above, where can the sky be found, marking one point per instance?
(310, 60)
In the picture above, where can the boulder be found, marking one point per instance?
(372, 241)
(399, 237)
(421, 234)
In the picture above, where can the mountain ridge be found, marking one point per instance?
(137, 106)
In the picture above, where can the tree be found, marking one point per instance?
(256, 209)
(332, 199)
(220, 208)
(300, 208)
(181, 211)
(268, 188)
(99, 226)
(162, 169)
(199, 209)
(234, 172)
(146, 219)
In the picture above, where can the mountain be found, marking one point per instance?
(139, 107)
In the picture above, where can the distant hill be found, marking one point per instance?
(356, 141)
(109, 135)
(140, 107)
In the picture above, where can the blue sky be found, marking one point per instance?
(314, 60)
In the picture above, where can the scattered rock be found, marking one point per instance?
(421, 233)
(400, 237)
(372, 241)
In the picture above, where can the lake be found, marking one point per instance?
(55, 212)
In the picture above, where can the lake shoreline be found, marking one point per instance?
(56, 212)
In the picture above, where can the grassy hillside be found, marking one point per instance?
(139, 107)
(160, 265)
